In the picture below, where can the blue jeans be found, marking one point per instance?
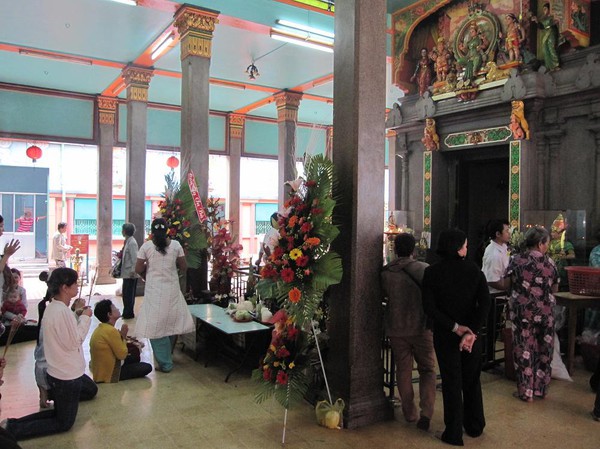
(66, 394)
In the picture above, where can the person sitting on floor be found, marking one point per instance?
(108, 349)
(18, 278)
(12, 306)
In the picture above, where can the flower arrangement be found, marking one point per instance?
(281, 366)
(301, 267)
(224, 251)
(297, 273)
(183, 225)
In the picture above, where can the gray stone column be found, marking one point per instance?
(107, 108)
(391, 137)
(236, 134)
(137, 80)
(329, 143)
(542, 170)
(354, 363)
(596, 213)
(555, 200)
(287, 118)
(402, 151)
(195, 26)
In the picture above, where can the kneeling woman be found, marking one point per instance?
(63, 335)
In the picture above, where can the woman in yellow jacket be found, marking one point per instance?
(108, 348)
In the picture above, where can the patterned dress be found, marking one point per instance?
(531, 305)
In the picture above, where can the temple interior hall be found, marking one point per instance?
(427, 115)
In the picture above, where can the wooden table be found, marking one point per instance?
(573, 303)
(216, 318)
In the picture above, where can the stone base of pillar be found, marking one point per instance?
(106, 279)
(372, 410)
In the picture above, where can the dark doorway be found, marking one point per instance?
(482, 184)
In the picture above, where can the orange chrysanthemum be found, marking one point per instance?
(313, 241)
(294, 295)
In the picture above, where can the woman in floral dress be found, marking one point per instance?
(534, 278)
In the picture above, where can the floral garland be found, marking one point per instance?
(299, 270)
(183, 225)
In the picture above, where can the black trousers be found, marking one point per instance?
(461, 387)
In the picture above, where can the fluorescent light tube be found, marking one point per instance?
(127, 2)
(162, 47)
(299, 41)
(298, 26)
(56, 57)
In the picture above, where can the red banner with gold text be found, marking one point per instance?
(196, 197)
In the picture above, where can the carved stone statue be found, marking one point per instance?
(423, 73)
(474, 50)
(518, 123)
(549, 32)
(442, 58)
(430, 139)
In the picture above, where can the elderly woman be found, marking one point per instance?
(534, 278)
(129, 259)
(164, 313)
(456, 297)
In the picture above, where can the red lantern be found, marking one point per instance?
(173, 162)
(34, 153)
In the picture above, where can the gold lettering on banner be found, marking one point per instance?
(107, 108)
(236, 125)
(287, 105)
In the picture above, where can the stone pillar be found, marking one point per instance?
(402, 152)
(236, 133)
(596, 212)
(329, 143)
(195, 26)
(107, 109)
(542, 173)
(354, 362)
(555, 200)
(287, 118)
(391, 137)
(137, 80)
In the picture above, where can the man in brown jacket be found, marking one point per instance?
(405, 325)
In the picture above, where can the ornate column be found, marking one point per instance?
(354, 363)
(402, 153)
(392, 138)
(107, 109)
(287, 119)
(137, 81)
(236, 134)
(196, 27)
(329, 142)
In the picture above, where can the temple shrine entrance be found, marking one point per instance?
(480, 181)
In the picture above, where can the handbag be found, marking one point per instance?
(115, 270)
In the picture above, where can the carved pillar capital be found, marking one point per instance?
(236, 125)
(287, 105)
(107, 109)
(195, 27)
(137, 81)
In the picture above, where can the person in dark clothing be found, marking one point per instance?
(457, 299)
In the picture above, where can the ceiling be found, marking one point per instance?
(111, 35)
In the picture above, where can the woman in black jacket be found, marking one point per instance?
(456, 298)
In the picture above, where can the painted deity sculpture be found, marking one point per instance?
(423, 74)
(430, 139)
(442, 58)
(549, 38)
(474, 51)
(514, 37)
(518, 123)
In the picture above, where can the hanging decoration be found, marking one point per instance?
(173, 162)
(34, 153)
(252, 71)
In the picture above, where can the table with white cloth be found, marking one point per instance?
(223, 335)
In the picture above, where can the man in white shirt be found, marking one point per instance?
(495, 258)
(59, 245)
(270, 241)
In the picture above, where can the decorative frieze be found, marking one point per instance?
(478, 137)
(427, 160)
(514, 209)
(236, 125)
(287, 105)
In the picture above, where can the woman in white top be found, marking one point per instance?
(164, 313)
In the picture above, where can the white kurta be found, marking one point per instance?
(164, 311)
